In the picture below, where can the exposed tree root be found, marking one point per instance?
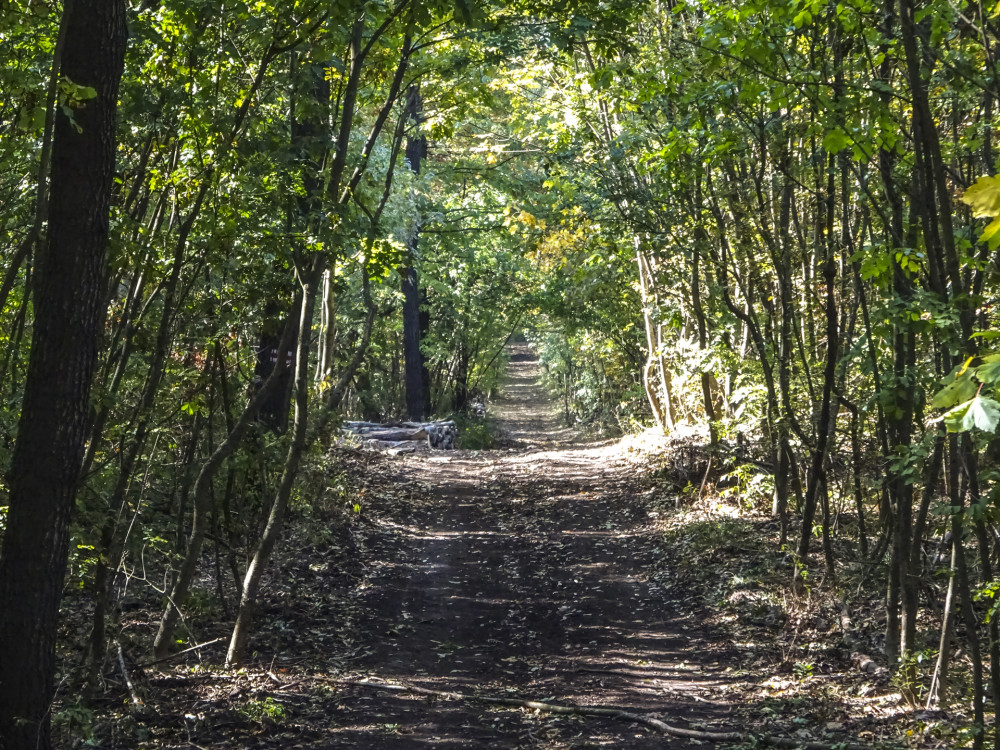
(611, 713)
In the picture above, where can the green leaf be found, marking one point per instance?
(980, 412)
(959, 390)
(835, 140)
(985, 413)
(955, 418)
(469, 12)
(989, 371)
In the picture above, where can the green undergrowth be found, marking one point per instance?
(800, 658)
(476, 433)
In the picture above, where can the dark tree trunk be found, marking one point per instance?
(817, 473)
(413, 369)
(699, 314)
(816, 491)
(308, 129)
(425, 376)
(69, 316)
(462, 380)
(274, 413)
(415, 372)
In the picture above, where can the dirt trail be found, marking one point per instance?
(521, 573)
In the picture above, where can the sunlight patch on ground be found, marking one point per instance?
(433, 533)
(591, 534)
(586, 456)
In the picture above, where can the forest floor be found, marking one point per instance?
(551, 569)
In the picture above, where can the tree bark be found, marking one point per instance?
(414, 371)
(699, 314)
(69, 317)
(265, 546)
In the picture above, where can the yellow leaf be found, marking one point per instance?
(989, 234)
(984, 197)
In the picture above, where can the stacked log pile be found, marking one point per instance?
(403, 437)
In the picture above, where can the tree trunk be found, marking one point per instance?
(201, 500)
(699, 314)
(656, 369)
(274, 412)
(415, 371)
(69, 318)
(938, 693)
(327, 329)
(251, 583)
(817, 474)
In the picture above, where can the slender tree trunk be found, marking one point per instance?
(24, 249)
(699, 313)
(107, 552)
(817, 474)
(272, 531)
(970, 463)
(661, 411)
(971, 625)
(327, 329)
(938, 694)
(336, 393)
(201, 499)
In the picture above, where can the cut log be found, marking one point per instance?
(394, 435)
(392, 447)
(440, 434)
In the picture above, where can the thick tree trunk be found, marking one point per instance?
(69, 316)
(274, 412)
(415, 370)
(416, 407)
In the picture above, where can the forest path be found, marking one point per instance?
(548, 570)
(520, 573)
